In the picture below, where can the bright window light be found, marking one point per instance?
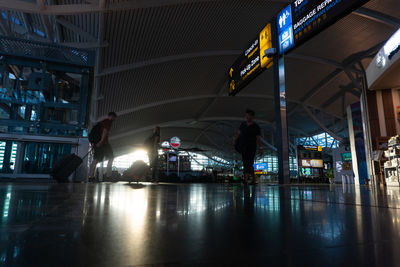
(125, 161)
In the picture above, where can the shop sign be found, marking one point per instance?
(392, 46)
(383, 61)
(175, 142)
(165, 144)
(313, 163)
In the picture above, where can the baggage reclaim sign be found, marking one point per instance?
(252, 62)
(303, 19)
(298, 22)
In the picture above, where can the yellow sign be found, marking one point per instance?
(313, 148)
(265, 43)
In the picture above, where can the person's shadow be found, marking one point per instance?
(135, 185)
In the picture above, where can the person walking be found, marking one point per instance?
(102, 148)
(152, 144)
(246, 140)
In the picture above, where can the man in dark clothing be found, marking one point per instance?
(246, 141)
(103, 148)
(153, 146)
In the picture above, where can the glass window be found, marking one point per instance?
(41, 157)
(8, 153)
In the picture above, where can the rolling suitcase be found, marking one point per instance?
(65, 166)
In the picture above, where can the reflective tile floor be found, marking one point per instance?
(198, 225)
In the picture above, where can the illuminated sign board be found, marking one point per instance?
(175, 142)
(312, 163)
(392, 46)
(346, 156)
(285, 30)
(252, 62)
(309, 17)
(261, 166)
(312, 148)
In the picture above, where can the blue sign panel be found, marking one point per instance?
(285, 30)
(261, 166)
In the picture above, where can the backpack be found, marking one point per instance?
(95, 134)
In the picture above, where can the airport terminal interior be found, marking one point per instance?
(199, 133)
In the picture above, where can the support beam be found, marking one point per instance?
(74, 9)
(341, 92)
(347, 63)
(378, 16)
(321, 125)
(76, 29)
(86, 45)
(273, 148)
(179, 123)
(197, 97)
(162, 60)
(46, 21)
(4, 27)
(315, 59)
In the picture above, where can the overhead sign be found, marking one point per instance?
(285, 30)
(309, 17)
(252, 62)
(175, 142)
(312, 148)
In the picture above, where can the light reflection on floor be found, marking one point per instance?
(121, 224)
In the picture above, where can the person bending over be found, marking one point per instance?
(103, 149)
(246, 141)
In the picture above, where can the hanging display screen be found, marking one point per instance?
(308, 18)
(252, 62)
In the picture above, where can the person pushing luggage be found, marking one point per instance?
(98, 137)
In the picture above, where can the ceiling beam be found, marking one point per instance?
(378, 16)
(321, 125)
(179, 123)
(85, 45)
(46, 21)
(198, 97)
(349, 88)
(74, 9)
(76, 29)
(212, 53)
(167, 59)
(315, 59)
(347, 63)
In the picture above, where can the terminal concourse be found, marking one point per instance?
(192, 132)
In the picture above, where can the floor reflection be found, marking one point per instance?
(116, 224)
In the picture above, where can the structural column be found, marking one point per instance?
(282, 137)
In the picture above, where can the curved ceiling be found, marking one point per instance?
(165, 63)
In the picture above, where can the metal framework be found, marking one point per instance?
(55, 17)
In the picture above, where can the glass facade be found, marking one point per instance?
(271, 158)
(323, 140)
(8, 153)
(40, 157)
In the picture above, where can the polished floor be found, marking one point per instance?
(198, 225)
